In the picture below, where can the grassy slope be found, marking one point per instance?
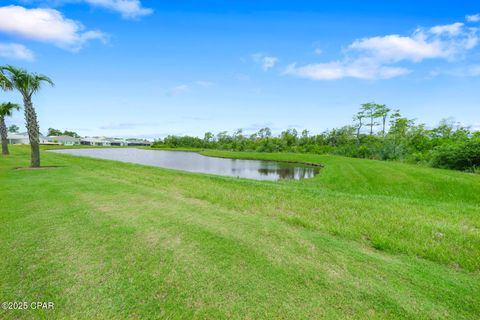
(365, 239)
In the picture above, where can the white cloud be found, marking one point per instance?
(473, 18)
(16, 51)
(175, 91)
(395, 48)
(127, 8)
(360, 69)
(451, 29)
(318, 51)
(46, 25)
(267, 62)
(445, 41)
(375, 57)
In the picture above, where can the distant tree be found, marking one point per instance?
(28, 84)
(53, 132)
(341, 136)
(289, 136)
(223, 137)
(13, 128)
(359, 122)
(6, 110)
(304, 138)
(382, 111)
(238, 134)
(399, 128)
(370, 111)
(71, 134)
(208, 137)
(264, 133)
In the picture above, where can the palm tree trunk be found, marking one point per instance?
(33, 132)
(3, 134)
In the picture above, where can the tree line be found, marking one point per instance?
(378, 132)
(55, 132)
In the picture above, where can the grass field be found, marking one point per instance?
(362, 240)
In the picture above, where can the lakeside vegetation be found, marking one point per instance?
(364, 239)
(389, 136)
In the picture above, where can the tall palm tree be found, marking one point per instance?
(28, 84)
(6, 110)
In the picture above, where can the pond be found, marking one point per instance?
(195, 162)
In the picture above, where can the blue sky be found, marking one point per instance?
(152, 68)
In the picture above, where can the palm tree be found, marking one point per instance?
(27, 84)
(6, 110)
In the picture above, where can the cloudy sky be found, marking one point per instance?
(151, 68)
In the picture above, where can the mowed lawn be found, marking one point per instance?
(363, 240)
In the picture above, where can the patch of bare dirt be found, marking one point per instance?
(39, 168)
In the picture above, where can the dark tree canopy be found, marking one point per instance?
(13, 128)
(55, 132)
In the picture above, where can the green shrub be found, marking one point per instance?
(462, 156)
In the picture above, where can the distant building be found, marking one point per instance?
(64, 140)
(22, 138)
(138, 142)
(18, 138)
(119, 142)
(95, 141)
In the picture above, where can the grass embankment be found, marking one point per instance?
(364, 239)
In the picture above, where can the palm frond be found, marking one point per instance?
(36, 81)
(25, 82)
(44, 78)
(7, 108)
(5, 84)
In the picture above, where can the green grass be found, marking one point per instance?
(363, 240)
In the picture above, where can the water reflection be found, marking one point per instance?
(194, 162)
(295, 173)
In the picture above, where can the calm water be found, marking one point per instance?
(194, 162)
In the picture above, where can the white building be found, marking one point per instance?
(64, 140)
(95, 141)
(138, 142)
(22, 138)
(106, 142)
(117, 142)
(18, 138)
